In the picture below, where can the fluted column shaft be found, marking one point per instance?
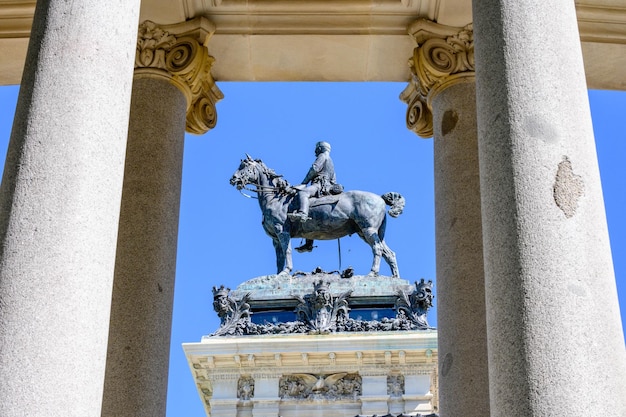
(59, 207)
(554, 335)
(172, 91)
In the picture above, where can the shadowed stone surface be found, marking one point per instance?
(464, 381)
(143, 292)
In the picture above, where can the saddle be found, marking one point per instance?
(326, 199)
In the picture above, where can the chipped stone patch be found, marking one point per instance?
(568, 188)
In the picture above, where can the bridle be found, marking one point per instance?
(259, 188)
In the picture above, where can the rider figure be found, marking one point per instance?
(321, 175)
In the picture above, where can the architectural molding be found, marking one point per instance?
(178, 53)
(444, 56)
(351, 371)
(357, 40)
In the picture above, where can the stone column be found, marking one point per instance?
(172, 90)
(442, 101)
(554, 334)
(59, 207)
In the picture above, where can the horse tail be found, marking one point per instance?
(396, 201)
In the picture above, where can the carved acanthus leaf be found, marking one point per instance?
(180, 52)
(444, 55)
(415, 305)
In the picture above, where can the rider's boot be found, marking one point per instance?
(303, 213)
(307, 247)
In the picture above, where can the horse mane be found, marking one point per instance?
(272, 175)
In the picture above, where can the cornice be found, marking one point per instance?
(16, 18)
(601, 24)
(444, 56)
(178, 53)
(219, 363)
(320, 17)
(597, 22)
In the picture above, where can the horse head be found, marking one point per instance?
(255, 172)
(247, 173)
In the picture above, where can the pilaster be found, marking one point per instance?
(441, 98)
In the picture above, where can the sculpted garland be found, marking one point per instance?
(321, 312)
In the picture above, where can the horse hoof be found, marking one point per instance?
(285, 272)
(372, 274)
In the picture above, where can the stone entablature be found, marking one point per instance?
(179, 53)
(294, 375)
(358, 41)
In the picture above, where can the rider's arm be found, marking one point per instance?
(315, 169)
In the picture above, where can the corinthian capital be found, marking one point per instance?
(443, 57)
(178, 52)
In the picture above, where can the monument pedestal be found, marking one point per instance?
(312, 363)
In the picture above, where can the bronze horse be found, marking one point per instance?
(330, 217)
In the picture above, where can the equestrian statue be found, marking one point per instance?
(320, 211)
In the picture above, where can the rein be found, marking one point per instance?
(259, 188)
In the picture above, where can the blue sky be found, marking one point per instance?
(220, 235)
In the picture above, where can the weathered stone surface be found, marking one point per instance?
(339, 375)
(545, 269)
(143, 292)
(463, 378)
(271, 287)
(59, 207)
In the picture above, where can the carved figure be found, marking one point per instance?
(309, 386)
(330, 217)
(395, 385)
(232, 313)
(321, 311)
(245, 388)
(415, 305)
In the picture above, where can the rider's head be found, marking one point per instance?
(322, 147)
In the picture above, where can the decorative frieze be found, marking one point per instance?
(335, 386)
(321, 312)
(179, 53)
(245, 388)
(395, 385)
(443, 57)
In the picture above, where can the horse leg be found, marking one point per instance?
(370, 235)
(285, 248)
(280, 256)
(390, 257)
